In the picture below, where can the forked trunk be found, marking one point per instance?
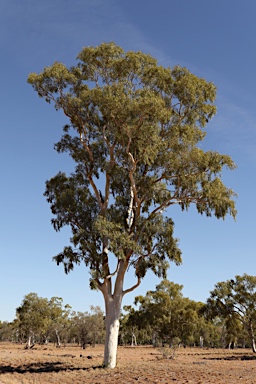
(113, 307)
(113, 304)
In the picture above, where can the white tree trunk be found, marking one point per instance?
(134, 341)
(58, 338)
(30, 340)
(29, 343)
(113, 307)
(113, 302)
(252, 337)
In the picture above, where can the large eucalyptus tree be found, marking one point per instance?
(133, 132)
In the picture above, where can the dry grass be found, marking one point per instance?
(71, 365)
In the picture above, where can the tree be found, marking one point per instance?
(38, 317)
(58, 318)
(234, 300)
(134, 129)
(133, 329)
(160, 309)
(33, 316)
(7, 331)
(169, 315)
(87, 327)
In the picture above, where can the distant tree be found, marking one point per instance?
(206, 332)
(134, 133)
(233, 329)
(7, 331)
(37, 317)
(32, 315)
(235, 300)
(58, 319)
(88, 327)
(169, 315)
(133, 330)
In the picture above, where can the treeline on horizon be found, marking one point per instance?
(163, 316)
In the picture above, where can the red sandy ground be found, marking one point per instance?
(71, 365)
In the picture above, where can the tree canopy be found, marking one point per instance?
(167, 315)
(38, 317)
(138, 128)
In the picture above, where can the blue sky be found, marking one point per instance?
(215, 40)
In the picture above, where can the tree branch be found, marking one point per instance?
(113, 274)
(132, 288)
(130, 214)
(99, 285)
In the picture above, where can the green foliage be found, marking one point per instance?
(234, 302)
(7, 331)
(134, 133)
(40, 318)
(33, 315)
(235, 296)
(88, 328)
(166, 316)
(228, 319)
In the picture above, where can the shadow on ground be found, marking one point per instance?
(235, 357)
(43, 367)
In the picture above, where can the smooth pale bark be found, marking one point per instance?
(134, 340)
(58, 338)
(252, 337)
(113, 308)
(154, 339)
(113, 302)
(253, 346)
(29, 343)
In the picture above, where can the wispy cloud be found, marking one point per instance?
(59, 29)
(234, 129)
(38, 33)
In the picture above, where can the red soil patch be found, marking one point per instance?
(71, 365)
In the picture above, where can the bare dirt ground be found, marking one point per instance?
(71, 365)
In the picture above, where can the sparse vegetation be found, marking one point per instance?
(160, 318)
(70, 365)
(169, 351)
